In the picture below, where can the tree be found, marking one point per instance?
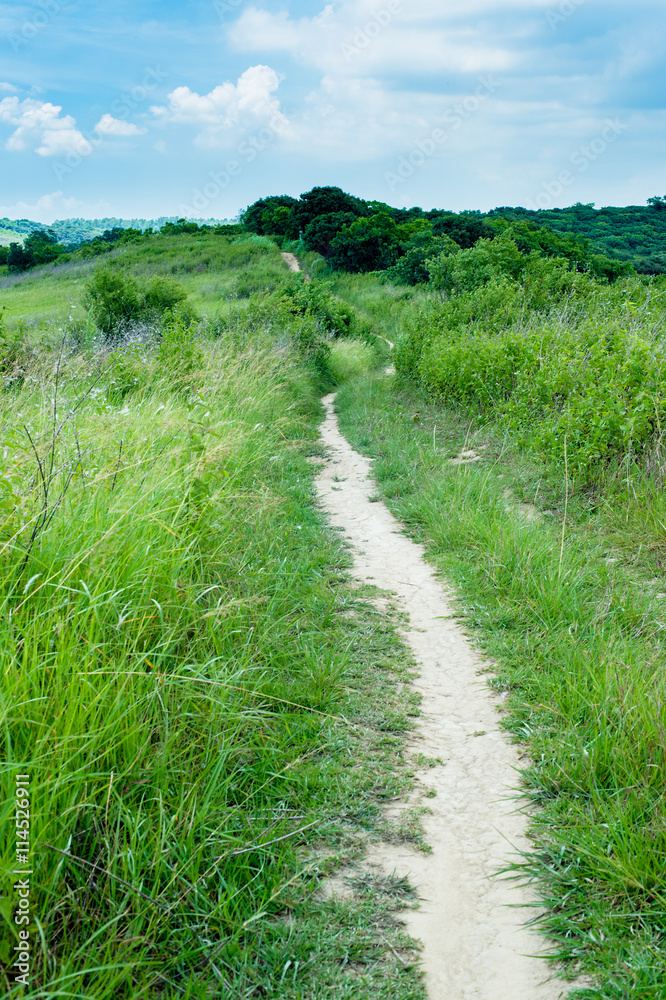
(278, 221)
(43, 245)
(658, 203)
(320, 233)
(19, 259)
(366, 245)
(325, 201)
(259, 215)
(465, 228)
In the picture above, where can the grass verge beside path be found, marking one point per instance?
(580, 646)
(209, 712)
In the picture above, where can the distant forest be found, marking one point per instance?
(74, 231)
(635, 235)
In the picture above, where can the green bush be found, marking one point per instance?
(116, 300)
(589, 382)
(113, 300)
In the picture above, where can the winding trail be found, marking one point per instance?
(471, 922)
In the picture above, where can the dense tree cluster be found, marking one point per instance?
(359, 236)
(635, 234)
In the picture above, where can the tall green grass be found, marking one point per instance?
(579, 642)
(199, 697)
(214, 269)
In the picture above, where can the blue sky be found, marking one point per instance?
(146, 109)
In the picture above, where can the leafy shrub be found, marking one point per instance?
(335, 317)
(115, 300)
(479, 371)
(162, 295)
(412, 268)
(599, 391)
(591, 382)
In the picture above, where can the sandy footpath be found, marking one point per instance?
(471, 922)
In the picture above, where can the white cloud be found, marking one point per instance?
(54, 206)
(39, 127)
(248, 103)
(8, 88)
(108, 125)
(376, 38)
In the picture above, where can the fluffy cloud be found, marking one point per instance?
(391, 37)
(38, 126)
(249, 102)
(108, 125)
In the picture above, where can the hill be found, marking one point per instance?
(329, 220)
(79, 230)
(635, 234)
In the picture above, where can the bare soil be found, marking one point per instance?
(292, 262)
(471, 920)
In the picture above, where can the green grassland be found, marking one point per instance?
(211, 715)
(211, 268)
(554, 533)
(210, 712)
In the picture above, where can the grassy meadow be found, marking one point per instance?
(212, 269)
(522, 443)
(209, 713)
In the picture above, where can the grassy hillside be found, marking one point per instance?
(207, 711)
(552, 527)
(212, 268)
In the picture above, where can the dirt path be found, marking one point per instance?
(475, 945)
(291, 261)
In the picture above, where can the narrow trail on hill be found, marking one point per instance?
(291, 261)
(471, 922)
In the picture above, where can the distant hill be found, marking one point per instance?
(78, 230)
(636, 234)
